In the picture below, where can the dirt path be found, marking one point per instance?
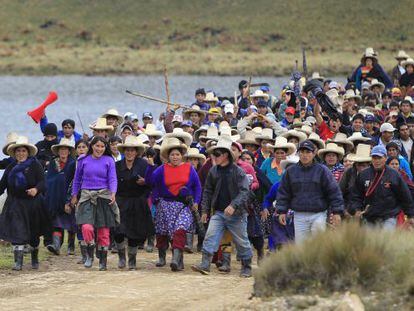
(61, 284)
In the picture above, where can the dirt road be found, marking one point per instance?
(61, 284)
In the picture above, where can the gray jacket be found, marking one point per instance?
(238, 188)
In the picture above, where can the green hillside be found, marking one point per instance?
(197, 37)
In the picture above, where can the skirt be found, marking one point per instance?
(136, 219)
(24, 220)
(99, 215)
(172, 216)
(66, 222)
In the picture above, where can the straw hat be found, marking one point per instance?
(306, 129)
(170, 143)
(297, 123)
(228, 131)
(210, 97)
(286, 162)
(151, 131)
(408, 61)
(282, 143)
(194, 109)
(212, 134)
(101, 124)
(375, 82)
(350, 93)
(179, 133)
(224, 127)
(224, 142)
(113, 113)
(64, 142)
(10, 139)
(258, 94)
(315, 138)
(332, 148)
(22, 141)
(294, 133)
(362, 154)
(369, 53)
(317, 76)
(195, 153)
(336, 98)
(401, 55)
(341, 139)
(266, 134)
(131, 141)
(249, 139)
(203, 128)
(357, 136)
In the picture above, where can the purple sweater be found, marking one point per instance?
(154, 177)
(95, 174)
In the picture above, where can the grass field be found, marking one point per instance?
(198, 37)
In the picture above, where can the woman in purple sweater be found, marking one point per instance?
(95, 180)
(173, 183)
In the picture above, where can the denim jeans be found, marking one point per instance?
(307, 224)
(387, 224)
(237, 225)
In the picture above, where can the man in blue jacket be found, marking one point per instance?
(68, 130)
(310, 190)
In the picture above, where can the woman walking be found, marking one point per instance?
(132, 198)
(95, 181)
(174, 185)
(24, 218)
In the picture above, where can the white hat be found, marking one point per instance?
(194, 109)
(171, 143)
(402, 55)
(195, 153)
(315, 138)
(143, 138)
(101, 124)
(332, 148)
(10, 139)
(375, 82)
(177, 118)
(285, 163)
(317, 76)
(131, 141)
(151, 131)
(210, 97)
(229, 108)
(350, 93)
(249, 139)
(306, 129)
(212, 134)
(22, 141)
(386, 127)
(113, 113)
(203, 128)
(266, 134)
(357, 136)
(311, 119)
(224, 142)
(259, 93)
(179, 133)
(362, 154)
(282, 143)
(408, 61)
(64, 142)
(342, 140)
(294, 133)
(334, 85)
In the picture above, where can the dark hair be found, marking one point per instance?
(68, 122)
(97, 139)
(114, 139)
(393, 104)
(392, 158)
(358, 116)
(250, 154)
(80, 141)
(180, 150)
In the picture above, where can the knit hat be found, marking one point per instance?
(50, 129)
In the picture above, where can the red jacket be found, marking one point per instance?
(249, 170)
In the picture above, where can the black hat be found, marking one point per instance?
(242, 84)
(308, 145)
(200, 91)
(50, 129)
(68, 122)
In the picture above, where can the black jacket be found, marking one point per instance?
(127, 179)
(44, 152)
(391, 195)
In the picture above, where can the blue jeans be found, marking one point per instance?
(237, 225)
(307, 224)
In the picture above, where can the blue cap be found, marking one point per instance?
(379, 151)
(308, 145)
(369, 118)
(264, 88)
(187, 123)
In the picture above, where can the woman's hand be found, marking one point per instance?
(264, 214)
(31, 192)
(112, 199)
(68, 208)
(204, 218)
(140, 181)
(74, 200)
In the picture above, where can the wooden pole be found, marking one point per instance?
(157, 99)
(167, 89)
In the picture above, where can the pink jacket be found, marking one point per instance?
(249, 170)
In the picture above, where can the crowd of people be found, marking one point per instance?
(254, 170)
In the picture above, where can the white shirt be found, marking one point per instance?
(408, 145)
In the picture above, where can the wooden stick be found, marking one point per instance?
(248, 90)
(80, 121)
(157, 99)
(167, 89)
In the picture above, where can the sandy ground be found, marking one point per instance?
(61, 284)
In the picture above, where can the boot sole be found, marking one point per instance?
(51, 249)
(197, 269)
(174, 267)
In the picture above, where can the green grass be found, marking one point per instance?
(7, 259)
(197, 37)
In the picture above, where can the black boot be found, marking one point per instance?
(103, 258)
(226, 263)
(188, 243)
(246, 269)
(181, 262)
(113, 248)
(35, 258)
(175, 261)
(121, 255)
(132, 257)
(150, 244)
(204, 266)
(18, 257)
(71, 243)
(84, 251)
(90, 249)
(162, 253)
(54, 248)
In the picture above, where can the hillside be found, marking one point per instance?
(197, 37)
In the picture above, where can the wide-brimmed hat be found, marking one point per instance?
(294, 133)
(317, 76)
(285, 163)
(212, 134)
(350, 93)
(341, 139)
(305, 129)
(297, 123)
(195, 153)
(210, 97)
(151, 131)
(401, 55)
(357, 136)
(22, 141)
(282, 143)
(10, 139)
(224, 142)
(113, 113)
(362, 154)
(258, 94)
(369, 53)
(203, 128)
(101, 125)
(131, 141)
(332, 148)
(266, 134)
(194, 109)
(64, 142)
(171, 143)
(315, 138)
(408, 61)
(179, 133)
(230, 132)
(375, 82)
(336, 98)
(249, 139)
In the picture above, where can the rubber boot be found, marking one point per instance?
(83, 250)
(56, 244)
(150, 244)
(35, 258)
(246, 269)
(18, 257)
(132, 257)
(181, 262)
(188, 248)
(121, 255)
(162, 253)
(226, 263)
(114, 250)
(204, 266)
(90, 249)
(103, 258)
(175, 261)
(71, 243)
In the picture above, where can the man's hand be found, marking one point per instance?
(264, 214)
(31, 192)
(204, 218)
(282, 219)
(140, 181)
(358, 214)
(336, 220)
(229, 210)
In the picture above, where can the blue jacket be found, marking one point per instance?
(310, 189)
(271, 196)
(44, 122)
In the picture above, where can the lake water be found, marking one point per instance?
(92, 96)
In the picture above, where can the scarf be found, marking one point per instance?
(16, 178)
